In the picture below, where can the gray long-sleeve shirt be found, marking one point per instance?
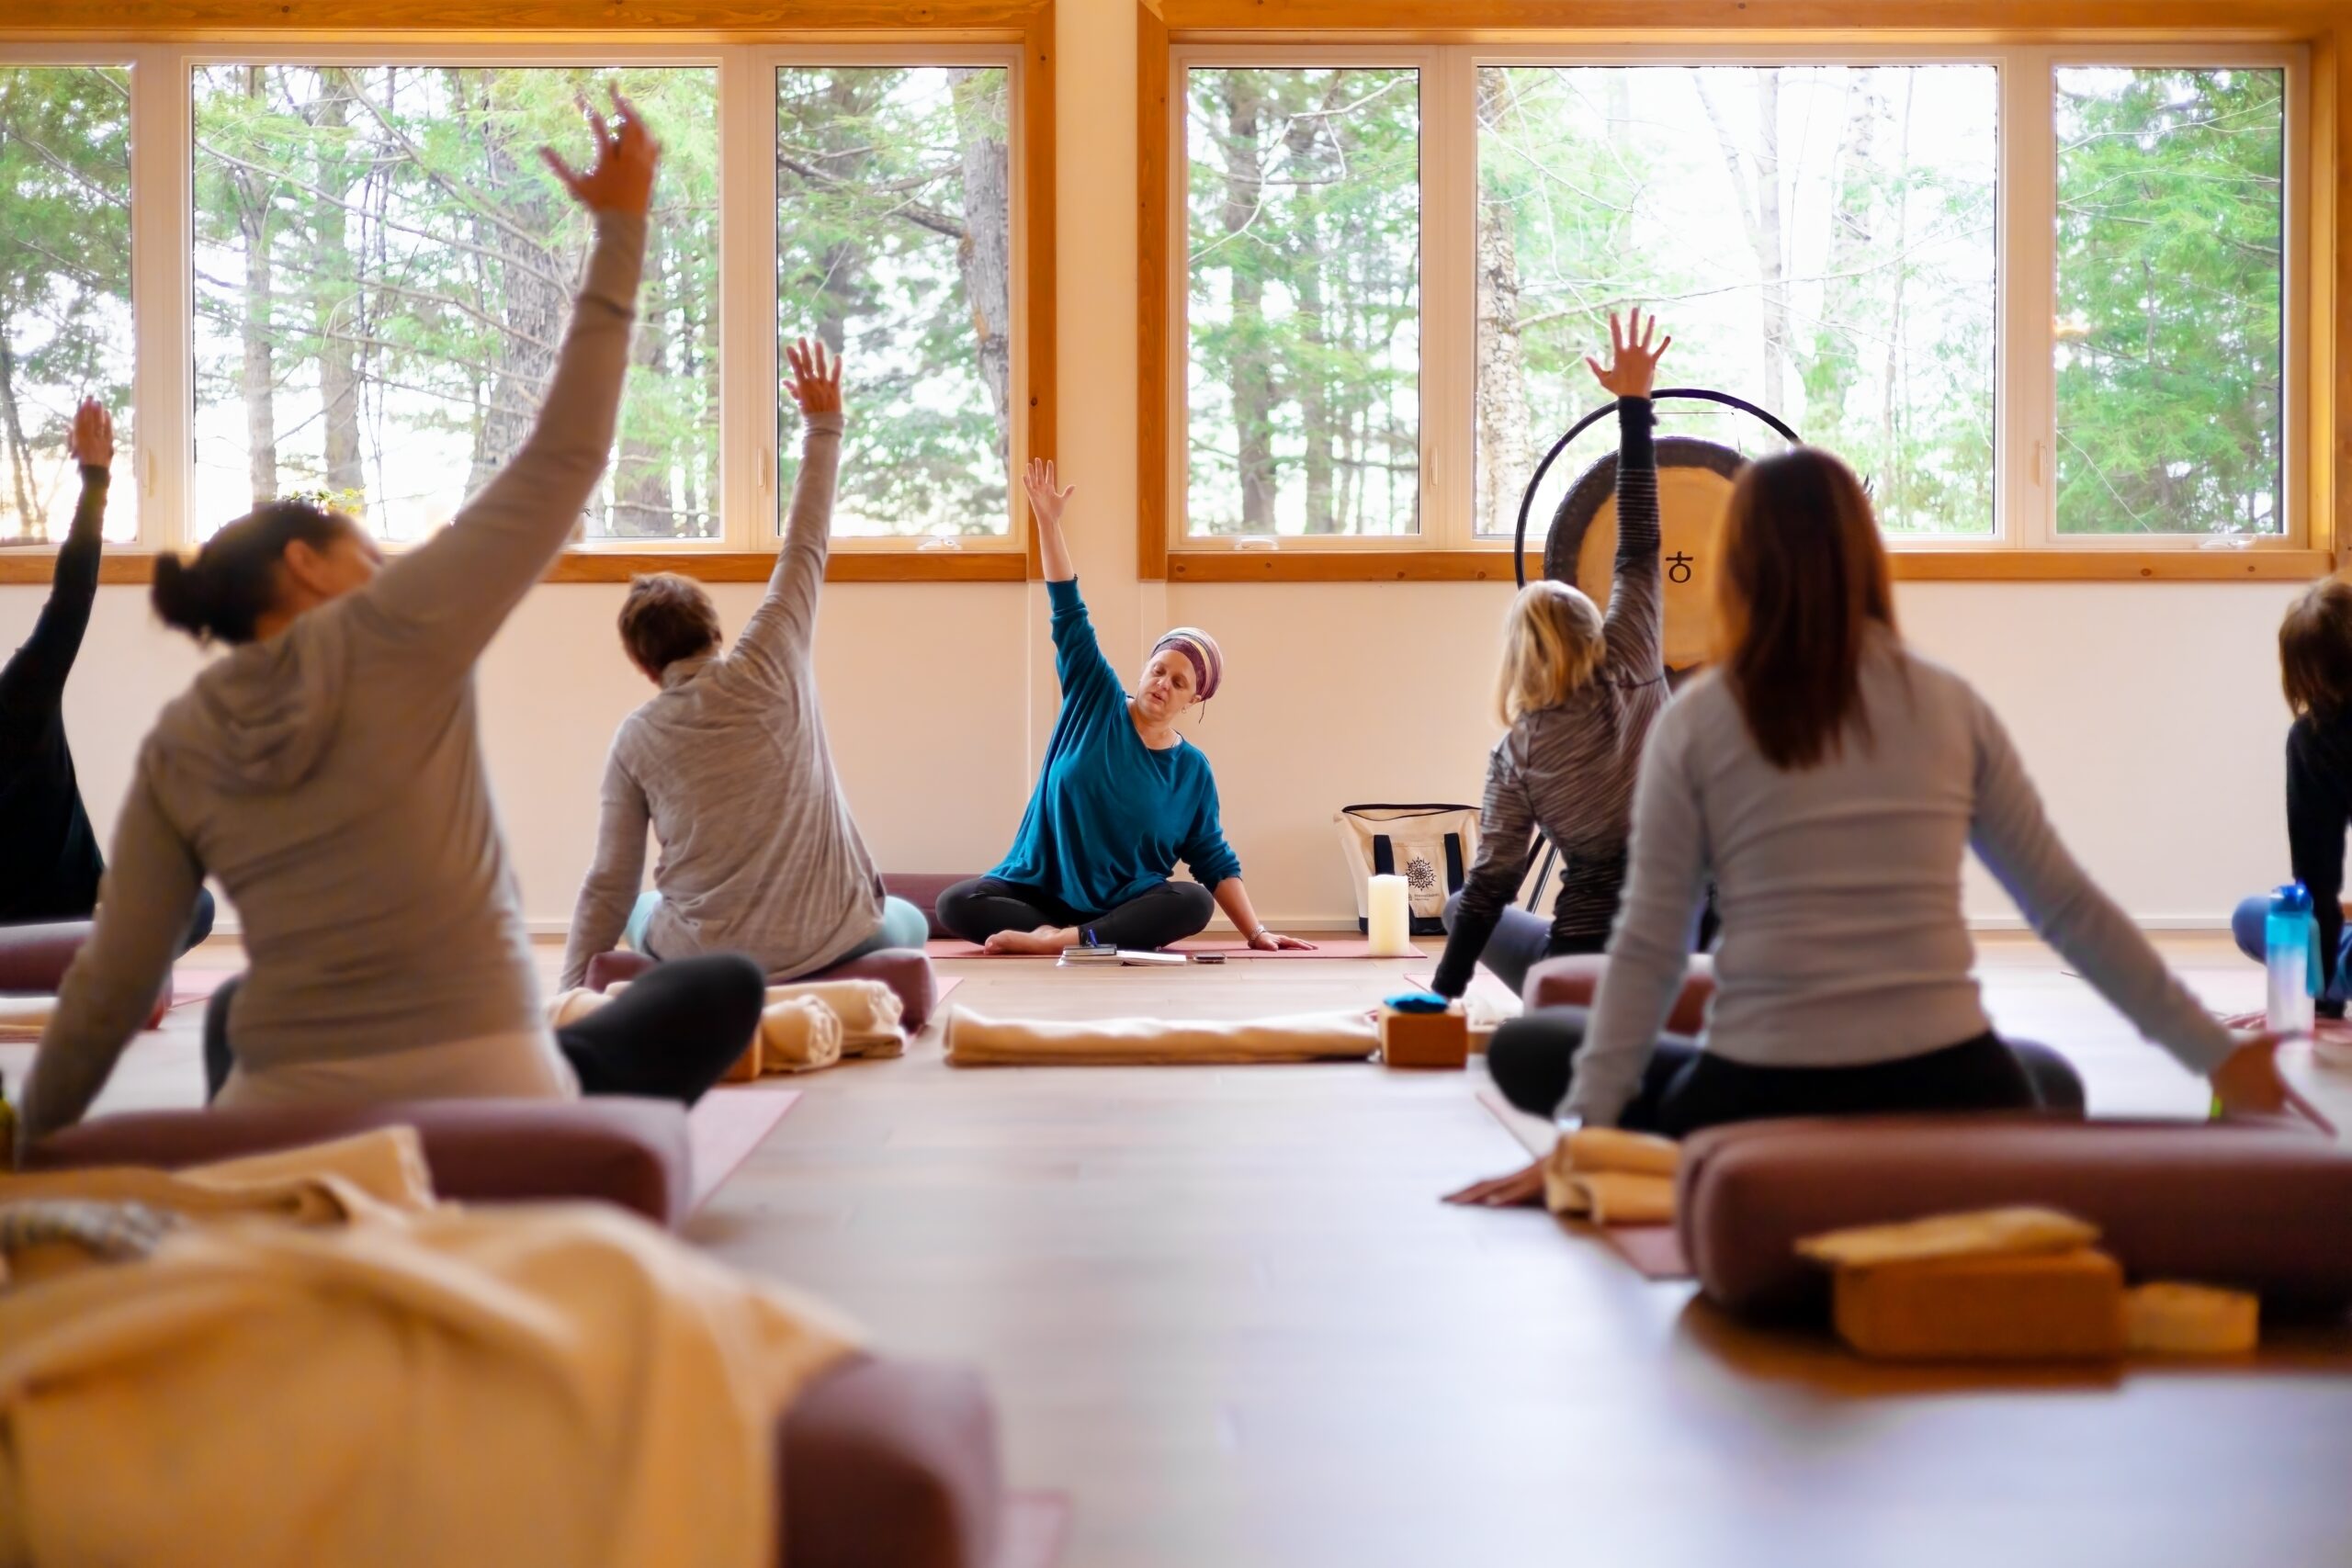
(1838, 885)
(331, 778)
(729, 765)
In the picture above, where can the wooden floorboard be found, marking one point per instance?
(1223, 1309)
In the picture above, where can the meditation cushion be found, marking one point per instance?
(625, 1151)
(33, 959)
(2262, 1209)
(889, 1464)
(1572, 980)
(923, 888)
(903, 969)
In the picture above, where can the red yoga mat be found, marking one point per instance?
(949, 947)
(726, 1125)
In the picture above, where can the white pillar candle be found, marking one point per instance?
(1390, 921)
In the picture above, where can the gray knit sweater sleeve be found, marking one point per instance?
(778, 635)
(609, 891)
(447, 597)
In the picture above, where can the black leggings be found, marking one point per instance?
(978, 909)
(1686, 1088)
(669, 1036)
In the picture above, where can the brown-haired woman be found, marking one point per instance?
(2315, 668)
(328, 769)
(1830, 781)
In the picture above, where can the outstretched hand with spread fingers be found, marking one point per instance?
(1047, 495)
(816, 383)
(621, 178)
(2247, 1086)
(1521, 1188)
(1633, 363)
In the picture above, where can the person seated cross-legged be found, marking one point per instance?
(729, 766)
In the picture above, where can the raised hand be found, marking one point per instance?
(91, 443)
(1046, 498)
(621, 179)
(1633, 367)
(816, 383)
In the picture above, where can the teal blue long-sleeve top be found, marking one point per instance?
(1111, 816)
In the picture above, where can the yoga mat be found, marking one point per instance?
(726, 1125)
(1655, 1251)
(197, 985)
(942, 988)
(1353, 947)
(1031, 1530)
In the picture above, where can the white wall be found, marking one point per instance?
(2148, 713)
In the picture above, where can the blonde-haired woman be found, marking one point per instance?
(1578, 690)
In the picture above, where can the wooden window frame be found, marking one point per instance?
(2310, 38)
(745, 43)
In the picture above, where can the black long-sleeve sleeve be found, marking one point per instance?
(34, 681)
(2319, 804)
(50, 863)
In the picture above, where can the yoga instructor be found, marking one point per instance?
(1122, 798)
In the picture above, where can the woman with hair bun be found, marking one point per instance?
(328, 769)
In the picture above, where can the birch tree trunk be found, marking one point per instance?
(1253, 387)
(258, 374)
(1501, 388)
(984, 254)
(334, 293)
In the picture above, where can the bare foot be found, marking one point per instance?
(1045, 942)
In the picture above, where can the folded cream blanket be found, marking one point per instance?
(977, 1042)
(798, 1034)
(869, 1009)
(24, 1018)
(1613, 1177)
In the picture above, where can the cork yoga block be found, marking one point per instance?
(2046, 1307)
(1425, 1039)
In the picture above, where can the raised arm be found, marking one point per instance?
(609, 890)
(144, 907)
(1079, 660)
(34, 681)
(779, 632)
(452, 593)
(1633, 624)
(1666, 880)
(1046, 498)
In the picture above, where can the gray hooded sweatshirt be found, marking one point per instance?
(331, 778)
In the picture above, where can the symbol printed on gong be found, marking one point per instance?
(1677, 568)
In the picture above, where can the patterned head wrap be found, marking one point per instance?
(1208, 663)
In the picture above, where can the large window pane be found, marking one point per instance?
(2171, 279)
(894, 244)
(383, 272)
(1303, 386)
(64, 285)
(1820, 241)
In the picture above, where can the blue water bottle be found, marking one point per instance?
(2290, 955)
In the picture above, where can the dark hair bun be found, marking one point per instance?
(180, 596)
(232, 581)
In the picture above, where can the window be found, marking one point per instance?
(1304, 300)
(2169, 351)
(1819, 239)
(2040, 300)
(65, 321)
(894, 245)
(383, 272)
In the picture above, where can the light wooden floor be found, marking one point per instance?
(1223, 1309)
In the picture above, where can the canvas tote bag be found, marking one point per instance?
(1431, 847)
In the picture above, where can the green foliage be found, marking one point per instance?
(1305, 300)
(419, 255)
(893, 224)
(2171, 280)
(1817, 240)
(64, 281)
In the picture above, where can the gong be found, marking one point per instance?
(1694, 479)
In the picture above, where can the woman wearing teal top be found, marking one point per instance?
(1122, 797)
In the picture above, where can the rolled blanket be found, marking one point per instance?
(869, 1009)
(977, 1042)
(799, 1034)
(1613, 1177)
